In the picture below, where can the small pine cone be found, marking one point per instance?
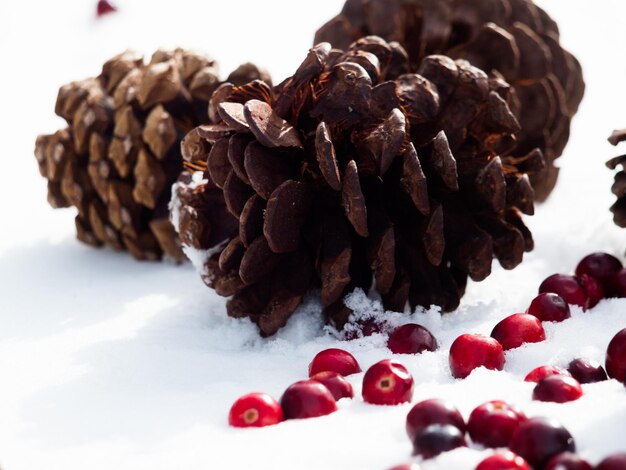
(619, 185)
(514, 37)
(120, 154)
(354, 173)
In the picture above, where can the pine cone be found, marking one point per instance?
(120, 154)
(354, 173)
(514, 37)
(619, 186)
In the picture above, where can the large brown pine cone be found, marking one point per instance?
(355, 173)
(118, 157)
(514, 37)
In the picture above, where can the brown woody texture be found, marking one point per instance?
(619, 184)
(514, 37)
(120, 153)
(355, 172)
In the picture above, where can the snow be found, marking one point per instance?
(110, 363)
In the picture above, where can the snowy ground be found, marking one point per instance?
(109, 363)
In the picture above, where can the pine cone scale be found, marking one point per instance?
(353, 200)
(414, 181)
(266, 168)
(326, 157)
(285, 215)
(270, 129)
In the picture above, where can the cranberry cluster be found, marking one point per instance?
(435, 426)
(387, 382)
(598, 276)
(310, 398)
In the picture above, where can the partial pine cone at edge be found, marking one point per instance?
(356, 173)
(120, 153)
(619, 184)
(514, 37)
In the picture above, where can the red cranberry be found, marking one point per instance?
(600, 266)
(335, 383)
(387, 383)
(436, 439)
(255, 410)
(518, 329)
(542, 372)
(568, 461)
(433, 411)
(587, 371)
(616, 357)
(557, 389)
(503, 461)
(334, 360)
(614, 462)
(567, 287)
(492, 424)
(363, 329)
(470, 351)
(537, 440)
(406, 466)
(307, 399)
(105, 7)
(616, 284)
(593, 288)
(411, 339)
(549, 307)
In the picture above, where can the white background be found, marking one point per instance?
(109, 363)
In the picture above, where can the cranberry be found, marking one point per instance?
(307, 399)
(568, 461)
(518, 329)
(105, 7)
(567, 287)
(542, 372)
(616, 284)
(587, 371)
(470, 351)
(387, 383)
(537, 440)
(503, 461)
(549, 307)
(411, 339)
(593, 288)
(363, 329)
(492, 424)
(255, 410)
(335, 383)
(557, 389)
(600, 266)
(437, 438)
(616, 357)
(334, 360)
(614, 462)
(433, 411)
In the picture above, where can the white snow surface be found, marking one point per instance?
(110, 363)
